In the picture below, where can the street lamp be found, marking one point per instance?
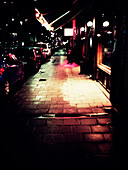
(105, 23)
(82, 29)
(21, 22)
(89, 24)
(109, 32)
(98, 35)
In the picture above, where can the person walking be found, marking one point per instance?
(69, 56)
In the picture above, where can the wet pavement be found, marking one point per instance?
(60, 119)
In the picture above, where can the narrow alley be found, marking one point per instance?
(60, 119)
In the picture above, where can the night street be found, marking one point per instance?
(59, 119)
(63, 85)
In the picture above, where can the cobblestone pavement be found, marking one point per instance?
(60, 119)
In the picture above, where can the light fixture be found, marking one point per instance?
(105, 23)
(82, 28)
(21, 22)
(109, 32)
(37, 15)
(103, 15)
(89, 24)
(98, 35)
(91, 42)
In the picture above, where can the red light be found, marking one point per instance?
(1, 71)
(37, 15)
(12, 56)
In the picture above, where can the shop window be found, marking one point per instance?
(107, 49)
(104, 52)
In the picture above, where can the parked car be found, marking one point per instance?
(29, 58)
(46, 49)
(38, 55)
(11, 71)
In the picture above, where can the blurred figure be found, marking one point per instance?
(69, 56)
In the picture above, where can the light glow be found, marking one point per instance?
(109, 32)
(68, 32)
(59, 17)
(39, 16)
(106, 24)
(99, 53)
(82, 29)
(42, 20)
(89, 24)
(12, 56)
(21, 22)
(1, 71)
(98, 35)
(91, 42)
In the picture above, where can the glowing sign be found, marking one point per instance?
(68, 32)
(42, 20)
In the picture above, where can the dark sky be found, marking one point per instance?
(52, 8)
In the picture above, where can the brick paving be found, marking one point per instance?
(62, 120)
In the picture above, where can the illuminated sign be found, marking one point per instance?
(68, 32)
(42, 20)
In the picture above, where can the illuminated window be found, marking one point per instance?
(105, 48)
(68, 32)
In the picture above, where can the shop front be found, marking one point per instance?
(105, 48)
